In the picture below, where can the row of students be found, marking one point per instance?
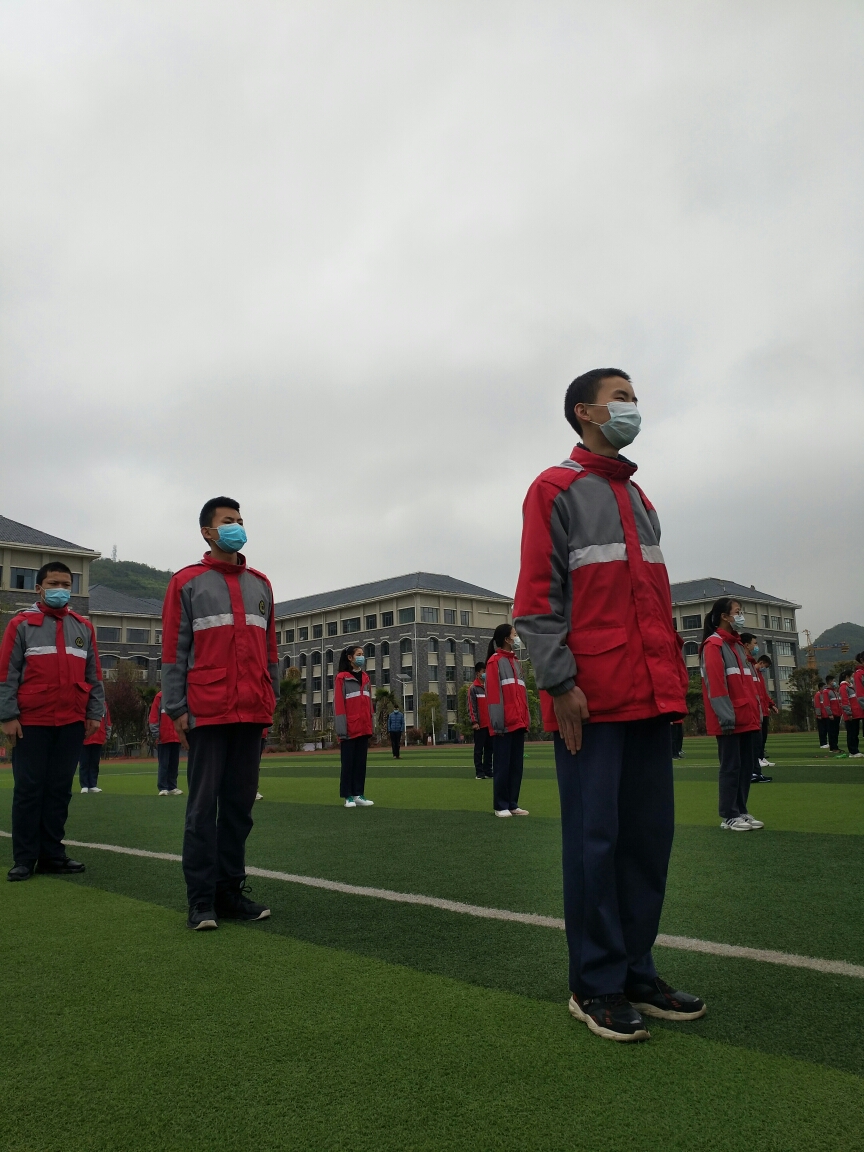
(834, 704)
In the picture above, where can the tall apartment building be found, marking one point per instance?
(771, 618)
(421, 633)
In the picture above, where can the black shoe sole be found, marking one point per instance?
(607, 1033)
(61, 871)
(203, 926)
(18, 879)
(666, 1013)
(246, 919)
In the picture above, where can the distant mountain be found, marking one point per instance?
(129, 577)
(848, 633)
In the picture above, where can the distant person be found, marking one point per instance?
(732, 711)
(91, 754)
(478, 714)
(823, 714)
(677, 739)
(352, 707)
(509, 720)
(831, 704)
(395, 730)
(51, 699)
(220, 682)
(594, 607)
(759, 663)
(858, 681)
(852, 713)
(162, 730)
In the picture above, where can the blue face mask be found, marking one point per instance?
(57, 597)
(360, 661)
(232, 537)
(755, 649)
(623, 424)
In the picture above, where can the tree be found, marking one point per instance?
(536, 728)
(289, 710)
(694, 723)
(385, 703)
(802, 685)
(463, 721)
(127, 706)
(430, 713)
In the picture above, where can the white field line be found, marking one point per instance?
(681, 943)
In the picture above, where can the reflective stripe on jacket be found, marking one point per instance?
(103, 732)
(831, 702)
(160, 723)
(728, 691)
(818, 707)
(506, 697)
(352, 706)
(219, 662)
(49, 668)
(478, 709)
(850, 703)
(765, 701)
(593, 601)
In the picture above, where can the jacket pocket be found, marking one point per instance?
(602, 669)
(207, 691)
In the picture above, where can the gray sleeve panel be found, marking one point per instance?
(96, 701)
(9, 687)
(496, 711)
(154, 730)
(724, 711)
(546, 636)
(341, 725)
(174, 675)
(561, 689)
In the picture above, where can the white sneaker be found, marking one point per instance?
(83, 790)
(767, 764)
(824, 745)
(519, 812)
(258, 796)
(363, 802)
(163, 792)
(350, 802)
(503, 812)
(95, 789)
(736, 824)
(856, 755)
(174, 792)
(752, 821)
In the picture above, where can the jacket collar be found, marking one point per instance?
(610, 467)
(46, 610)
(225, 566)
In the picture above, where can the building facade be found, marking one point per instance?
(421, 633)
(771, 618)
(127, 628)
(23, 551)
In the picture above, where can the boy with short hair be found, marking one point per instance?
(162, 730)
(220, 683)
(478, 714)
(51, 697)
(831, 706)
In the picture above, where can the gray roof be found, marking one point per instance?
(710, 588)
(11, 532)
(414, 581)
(104, 599)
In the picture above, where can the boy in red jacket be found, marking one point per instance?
(478, 714)
(220, 681)
(163, 731)
(51, 698)
(91, 754)
(593, 605)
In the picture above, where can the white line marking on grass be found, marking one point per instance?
(681, 943)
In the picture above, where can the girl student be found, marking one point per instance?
(352, 706)
(732, 710)
(509, 720)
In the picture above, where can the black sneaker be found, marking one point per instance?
(201, 917)
(19, 872)
(758, 778)
(64, 867)
(659, 1000)
(231, 904)
(612, 1017)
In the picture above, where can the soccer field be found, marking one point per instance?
(350, 1021)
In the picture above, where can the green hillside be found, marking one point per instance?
(129, 577)
(847, 633)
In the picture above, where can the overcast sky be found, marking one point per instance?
(340, 260)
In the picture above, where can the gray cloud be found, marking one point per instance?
(342, 260)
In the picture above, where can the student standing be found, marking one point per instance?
(509, 720)
(91, 754)
(732, 711)
(167, 748)
(220, 681)
(822, 715)
(51, 699)
(766, 704)
(831, 705)
(478, 714)
(352, 706)
(852, 713)
(395, 729)
(858, 685)
(593, 605)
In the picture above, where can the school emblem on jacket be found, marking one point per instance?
(79, 641)
(261, 606)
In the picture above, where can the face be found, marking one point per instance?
(220, 516)
(729, 617)
(612, 388)
(55, 580)
(357, 652)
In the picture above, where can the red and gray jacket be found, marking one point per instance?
(849, 702)
(352, 706)
(219, 662)
(765, 701)
(593, 602)
(831, 702)
(160, 723)
(818, 708)
(478, 710)
(49, 668)
(103, 732)
(728, 689)
(858, 685)
(506, 697)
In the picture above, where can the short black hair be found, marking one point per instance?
(479, 666)
(584, 389)
(746, 637)
(52, 566)
(820, 684)
(206, 518)
(830, 676)
(766, 660)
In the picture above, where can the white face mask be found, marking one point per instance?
(739, 620)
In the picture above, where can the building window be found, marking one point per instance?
(317, 631)
(137, 635)
(316, 659)
(385, 676)
(287, 663)
(785, 699)
(405, 644)
(766, 622)
(450, 673)
(406, 615)
(316, 711)
(23, 579)
(433, 673)
(427, 616)
(386, 619)
(408, 702)
(289, 636)
(371, 676)
(332, 627)
(465, 619)
(328, 655)
(691, 622)
(108, 662)
(371, 622)
(787, 624)
(278, 637)
(158, 635)
(449, 615)
(675, 623)
(302, 659)
(76, 582)
(304, 633)
(352, 625)
(385, 648)
(691, 648)
(775, 623)
(433, 644)
(468, 647)
(329, 683)
(783, 648)
(450, 646)
(784, 673)
(451, 703)
(316, 683)
(108, 635)
(369, 651)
